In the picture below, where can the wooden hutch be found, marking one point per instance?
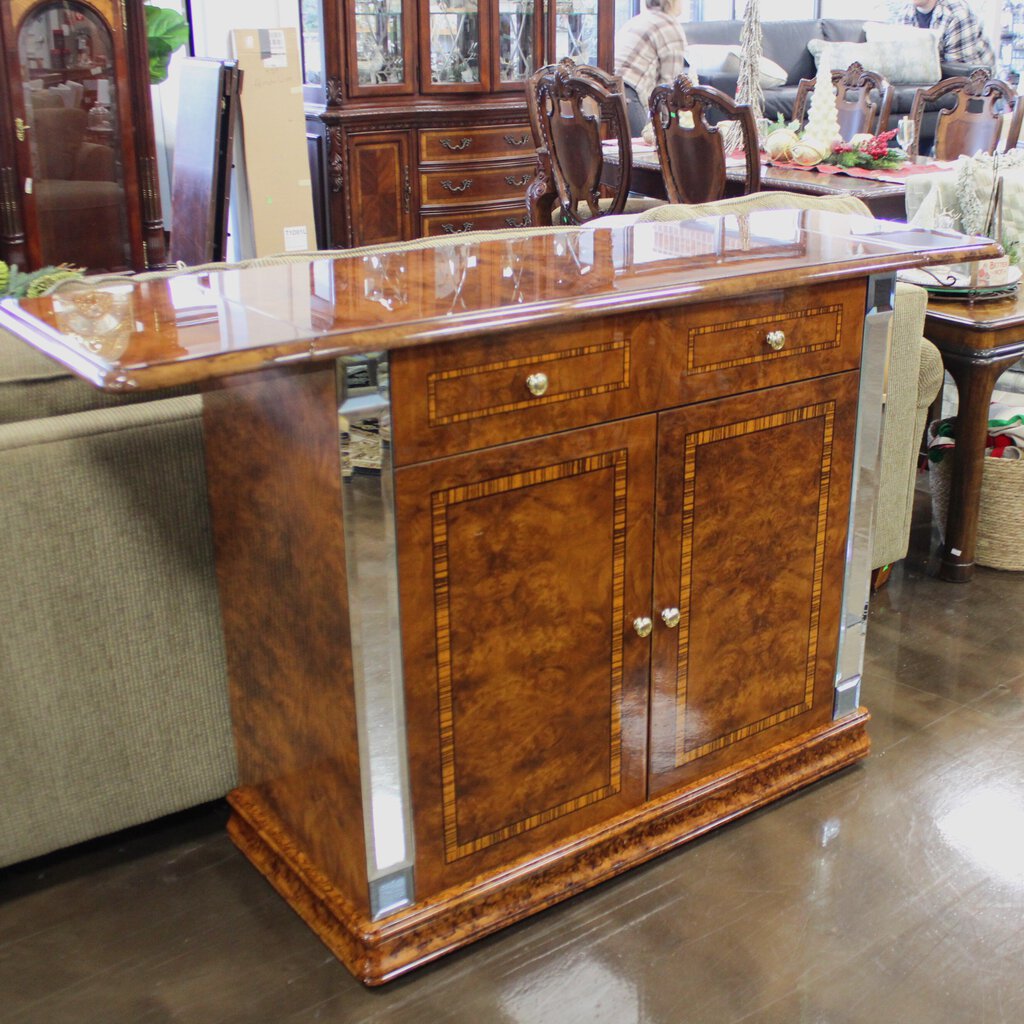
(78, 179)
(416, 109)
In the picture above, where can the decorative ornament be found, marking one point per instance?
(822, 129)
(779, 144)
(806, 154)
(748, 85)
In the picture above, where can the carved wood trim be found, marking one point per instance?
(335, 92)
(712, 435)
(335, 159)
(10, 205)
(441, 502)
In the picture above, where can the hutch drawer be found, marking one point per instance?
(470, 145)
(456, 222)
(475, 185)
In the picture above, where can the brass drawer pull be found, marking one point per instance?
(449, 187)
(643, 625)
(776, 340)
(521, 141)
(537, 384)
(511, 179)
(456, 147)
(513, 223)
(20, 128)
(451, 229)
(670, 616)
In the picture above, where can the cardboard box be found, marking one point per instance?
(276, 164)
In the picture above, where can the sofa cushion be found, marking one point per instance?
(785, 42)
(836, 30)
(780, 101)
(33, 386)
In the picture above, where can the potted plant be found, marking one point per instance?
(166, 31)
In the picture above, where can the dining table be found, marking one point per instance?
(884, 194)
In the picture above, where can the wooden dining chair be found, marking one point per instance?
(974, 124)
(692, 149)
(568, 105)
(863, 100)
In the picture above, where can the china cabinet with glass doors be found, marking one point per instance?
(417, 108)
(78, 177)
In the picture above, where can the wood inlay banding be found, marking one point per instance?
(457, 845)
(686, 750)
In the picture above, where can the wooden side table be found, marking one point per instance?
(978, 342)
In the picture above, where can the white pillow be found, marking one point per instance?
(918, 53)
(771, 74)
(710, 58)
(902, 62)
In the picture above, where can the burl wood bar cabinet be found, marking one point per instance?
(607, 588)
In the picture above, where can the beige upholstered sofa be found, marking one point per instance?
(113, 693)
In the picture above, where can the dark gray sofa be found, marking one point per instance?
(785, 42)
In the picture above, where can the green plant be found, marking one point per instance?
(17, 285)
(166, 32)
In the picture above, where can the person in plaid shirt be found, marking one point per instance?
(648, 52)
(962, 39)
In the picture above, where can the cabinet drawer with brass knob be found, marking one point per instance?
(455, 399)
(719, 348)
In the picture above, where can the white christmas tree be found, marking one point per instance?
(823, 121)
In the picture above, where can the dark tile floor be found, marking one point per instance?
(892, 893)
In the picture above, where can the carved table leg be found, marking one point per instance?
(975, 379)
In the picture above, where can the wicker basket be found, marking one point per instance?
(1000, 510)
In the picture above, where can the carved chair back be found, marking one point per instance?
(691, 148)
(572, 108)
(974, 124)
(863, 100)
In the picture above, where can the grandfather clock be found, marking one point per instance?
(78, 180)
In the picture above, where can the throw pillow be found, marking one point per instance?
(917, 54)
(771, 74)
(899, 61)
(709, 58)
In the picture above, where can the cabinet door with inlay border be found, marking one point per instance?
(752, 506)
(521, 569)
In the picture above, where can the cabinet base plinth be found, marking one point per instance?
(378, 951)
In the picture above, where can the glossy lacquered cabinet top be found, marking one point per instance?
(192, 327)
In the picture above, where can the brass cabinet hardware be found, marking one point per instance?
(513, 223)
(537, 384)
(451, 229)
(521, 141)
(670, 616)
(449, 187)
(643, 625)
(456, 147)
(775, 340)
(20, 128)
(511, 179)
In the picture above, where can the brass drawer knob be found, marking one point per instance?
(670, 616)
(643, 626)
(537, 384)
(776, 339)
